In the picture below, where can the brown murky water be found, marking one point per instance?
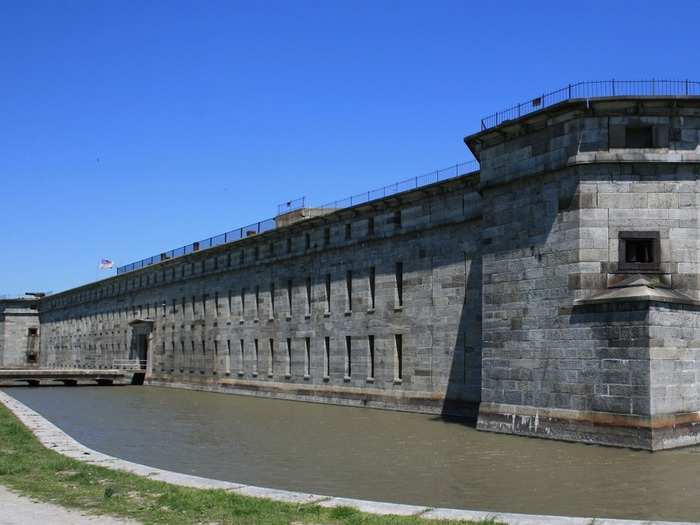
(371, 454)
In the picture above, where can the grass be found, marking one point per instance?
(29, 468)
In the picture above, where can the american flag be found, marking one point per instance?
(106, 264)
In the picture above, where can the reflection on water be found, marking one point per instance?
(370, 454)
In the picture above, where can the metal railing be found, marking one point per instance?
(289, 206)
(270, 224)
(217, 240)
(129, 364)
(404, 185)
(595, 89)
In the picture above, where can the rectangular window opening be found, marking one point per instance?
(255, 356)
(639, 137)
(348, 290)
(289, 357)
(241, 361)
(638, 251)
(348, 357)
(327, 357)
(257, 302)
(399, 284)
(308, 296)
(372, 287)
(307, 357)
(398, 357)
(370, 357)
(271, 360)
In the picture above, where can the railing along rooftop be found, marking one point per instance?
(595, 89)
(266, 225)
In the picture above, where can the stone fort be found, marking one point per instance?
(552, 292)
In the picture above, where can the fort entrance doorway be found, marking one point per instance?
(140, 347)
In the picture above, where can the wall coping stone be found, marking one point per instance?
(637, 294)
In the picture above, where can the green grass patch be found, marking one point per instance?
(33, 470)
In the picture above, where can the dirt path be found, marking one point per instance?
(19, 510)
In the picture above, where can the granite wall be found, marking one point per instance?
(503, 291)
(19, 333)
(376, 305)
(570, 347)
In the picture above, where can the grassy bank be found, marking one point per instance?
(29, 468)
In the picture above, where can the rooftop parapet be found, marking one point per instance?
(654, 125)
(591, 90)
(294, 211)
(300, 214)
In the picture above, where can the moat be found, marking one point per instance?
(370, 454)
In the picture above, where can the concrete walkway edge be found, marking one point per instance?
(55, 439)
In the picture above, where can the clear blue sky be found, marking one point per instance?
(129, 128)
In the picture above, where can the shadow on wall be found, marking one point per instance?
(512, 285)
(463, 391)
